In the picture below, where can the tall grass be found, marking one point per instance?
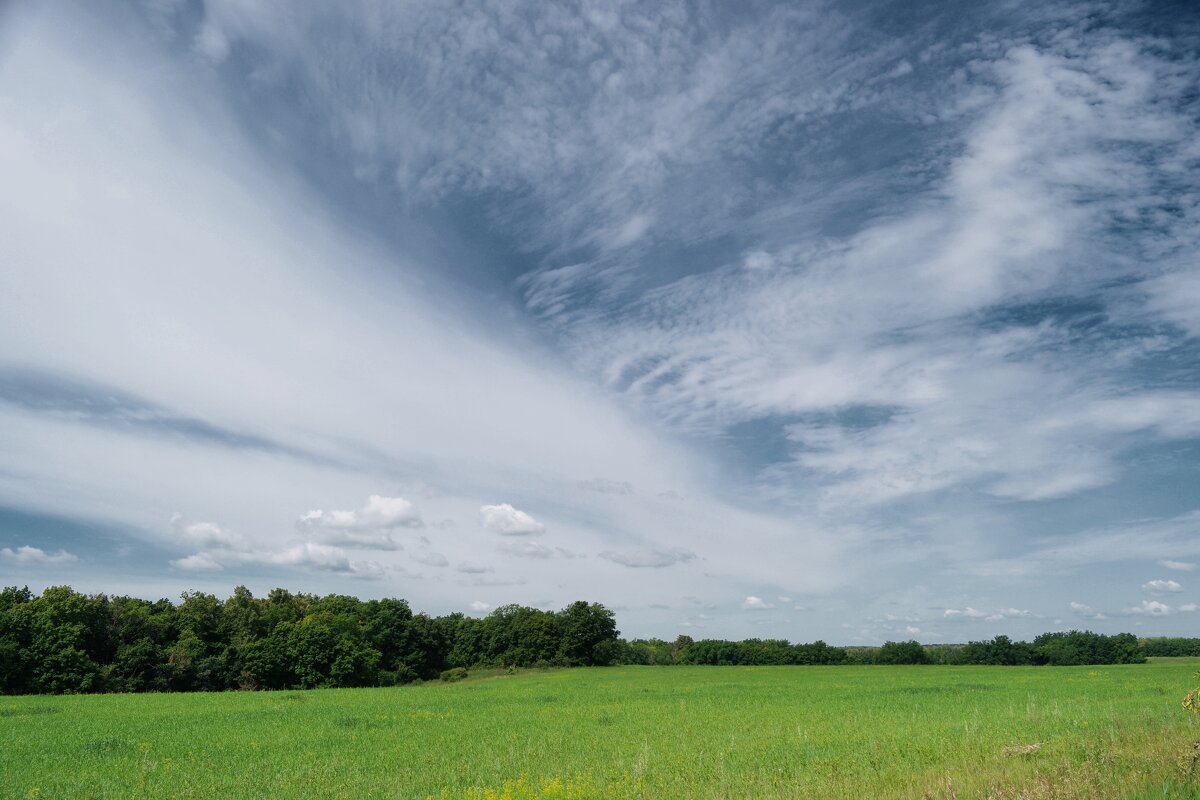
(631, 732)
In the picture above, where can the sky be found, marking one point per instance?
(858, 321)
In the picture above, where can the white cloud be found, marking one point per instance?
(1014, 613)
(308, 421)
(205, 534)
(479, 606)
(752, 603)
(882, 319)
(197, 562)
(1085, 611)
(28, 556)
(974, 613)
(649, 558)
(313, 556)
(1161, 586)
(968, 612)
(1179, 566)
(895, 329)
(369, 527)
(912, 629)
(505, 519)
(1151, 608)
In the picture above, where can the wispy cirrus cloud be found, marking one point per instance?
(851, 297)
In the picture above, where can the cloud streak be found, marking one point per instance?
(817, 296)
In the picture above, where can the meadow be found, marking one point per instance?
(628, 732)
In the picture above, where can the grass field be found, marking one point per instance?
(630, 732)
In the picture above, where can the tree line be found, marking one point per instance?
(65, 641)
(1053, 649)
(1170, 646)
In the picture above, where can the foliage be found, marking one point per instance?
(910, 652)
(1170, 646)
(64, 642)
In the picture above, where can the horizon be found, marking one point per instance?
(851, 321)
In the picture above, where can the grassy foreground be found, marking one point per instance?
(630, 732)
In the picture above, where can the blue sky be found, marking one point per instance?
(854, 321)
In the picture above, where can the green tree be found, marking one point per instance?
(910, 652)
(588, 631)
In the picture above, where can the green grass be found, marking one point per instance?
(656, 732)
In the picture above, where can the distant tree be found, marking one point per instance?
(1084, 647)
(680, 647)
(588, 633)
(910, 652)
(1170, 646)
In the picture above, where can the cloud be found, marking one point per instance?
(474, 569)
(28, 556)
(479, 606)
(369, 527)
(887, 320)
(1141, 540)
(993, 616)
(205, 534)
(653, 557)
(752, 603)
(912, 629)
(1151, 608)
(1085, 611)
(505, 519)
(606, 486)
(1010, 613)
(892, 317)
(312, 556)
(532, 549)
(197, 562)
(318, 556)
(430, 558)
(1180, 566)
(1161, 586)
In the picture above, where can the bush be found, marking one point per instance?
(453, 674)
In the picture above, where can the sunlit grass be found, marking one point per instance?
(632, 732)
